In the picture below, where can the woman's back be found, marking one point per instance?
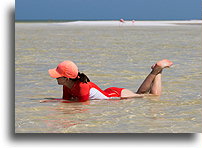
(85, 91)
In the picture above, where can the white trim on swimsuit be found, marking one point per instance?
(96, 94)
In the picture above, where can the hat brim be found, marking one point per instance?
(53, 73)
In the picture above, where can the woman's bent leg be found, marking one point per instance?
(126, 93)
(146, 85)
(156, 85)
(152, 83)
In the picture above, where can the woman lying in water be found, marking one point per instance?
(78, 88)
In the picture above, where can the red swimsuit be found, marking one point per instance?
(84, 91)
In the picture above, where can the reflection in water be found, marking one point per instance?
(58, 118)
(72, 108)
(110, 56)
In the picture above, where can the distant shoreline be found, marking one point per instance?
(52, 21)
(117, 23)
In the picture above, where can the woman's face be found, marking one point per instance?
(61, 80)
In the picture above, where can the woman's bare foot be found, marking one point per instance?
(163, 63)
(160, 65)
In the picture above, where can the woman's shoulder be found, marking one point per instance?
(87, 85)
(81, 88)
(82, 84)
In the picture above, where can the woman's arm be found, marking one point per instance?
(56, 100)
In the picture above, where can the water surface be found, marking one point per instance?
(111, 56)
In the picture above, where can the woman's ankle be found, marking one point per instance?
(156, 71)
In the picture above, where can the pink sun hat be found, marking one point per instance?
(65, 69)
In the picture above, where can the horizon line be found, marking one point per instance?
(72, 20)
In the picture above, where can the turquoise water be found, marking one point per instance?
(110, 56)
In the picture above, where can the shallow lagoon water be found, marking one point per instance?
(111, 56)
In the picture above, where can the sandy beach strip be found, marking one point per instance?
(130, 23)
